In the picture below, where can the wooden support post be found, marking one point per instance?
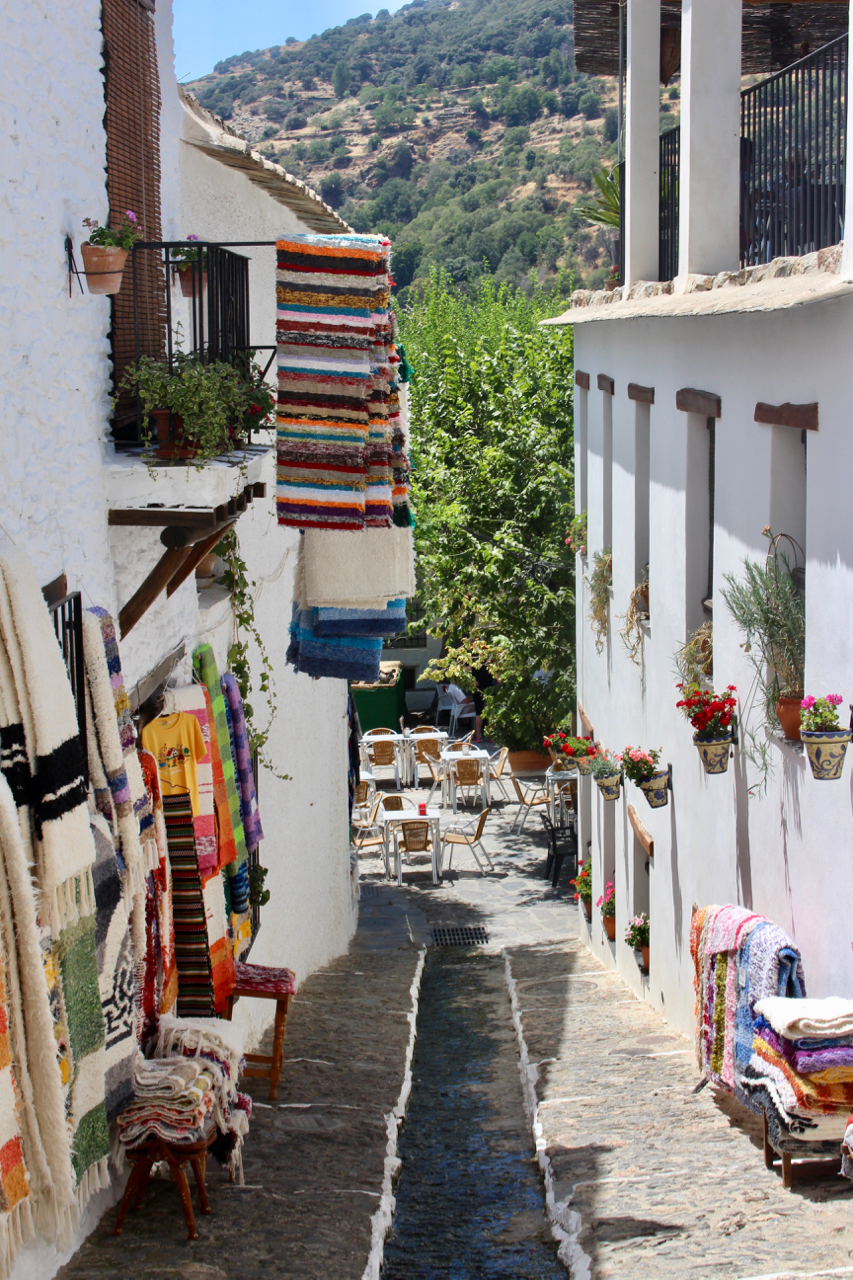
(689, 400)
(606, 383)
(640, 832)
(582, 379)
(645, 395)
(803, 417)
(585, 721)
(197, 553)
(157, 580)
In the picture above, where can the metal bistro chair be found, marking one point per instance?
(413, 837)
(383, 755)
(527, 801)
(471, 836)
(362, 800)
(496, 765)
(465, 775)
(555, 859)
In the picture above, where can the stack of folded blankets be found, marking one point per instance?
(188, 1088)
(801, 1072)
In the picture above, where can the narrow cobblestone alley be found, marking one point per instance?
(644, 1177)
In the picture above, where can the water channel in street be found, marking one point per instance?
(470, 1200)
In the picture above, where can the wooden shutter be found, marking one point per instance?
(132, 121)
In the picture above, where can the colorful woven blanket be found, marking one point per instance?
(245, 778)
(387, 622)
(192, 955)
(799, 1019)
(338, 657)
(191, 698)
(161, 974)
(117, 973)
(204, 665)
(16, 1221)
(331, 297)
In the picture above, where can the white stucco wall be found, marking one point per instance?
(785, 854)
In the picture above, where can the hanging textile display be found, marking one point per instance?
(116, 971)
(41, 753)
(387, 622)
(398, 423)
(191, 701)
(363, 570)
(331, 295)
(252, 828)
(16, 1222)
(161, 974)
(204, 665)
(336, 657)
(192, 953)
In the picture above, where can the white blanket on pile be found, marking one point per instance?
(801, 1019)
(364, 570)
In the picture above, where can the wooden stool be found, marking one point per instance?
(265, 983)
(176, 1154)
(823, 1167)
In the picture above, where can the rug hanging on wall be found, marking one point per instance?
(192, 955)
(117, 971)
(331, 295)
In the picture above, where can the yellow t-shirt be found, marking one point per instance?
(177, 745)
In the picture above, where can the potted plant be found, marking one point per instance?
(712, 715)
(577, 534)
(191, 265)
(637, 936)
(607, 905)
(584, 751)
(607, 773)
(768, 606)
(632, 635)
(642, 768)
(598, 583)
(583, 885)
(826, 741)
(204, 403)
(105, 252)
(565, 749)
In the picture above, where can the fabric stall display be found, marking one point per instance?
(191, 701)
(331, 297)
(398, 419)
(160, 979)
(117, 975)
(387, 622)
(192, 952)
(745, 966)
(338, 657)
(16, 1219)
(252, 828)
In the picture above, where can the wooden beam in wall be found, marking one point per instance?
(158, 579)
(55, 591)
(143, 689)
(803, 417)
(645, 395)
(585, 722)
(606, 383)
(197, 553)
(640, 832)
(689, 400)
(582, 379)
(155, 517)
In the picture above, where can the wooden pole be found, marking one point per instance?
(159, 577)
(196, 555)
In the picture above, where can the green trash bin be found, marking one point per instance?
(381, 705)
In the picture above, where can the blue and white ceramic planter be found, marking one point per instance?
(714, 752)
(655, 788)
(610, 785)
(826, 749)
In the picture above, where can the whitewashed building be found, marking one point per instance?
(680, 469)
(93, 119)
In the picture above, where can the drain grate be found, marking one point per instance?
(371, 891)
(460, 936)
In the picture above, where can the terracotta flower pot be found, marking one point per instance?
(586, 904)
(714, 753)
(103, 266)
(655, 788)
(826, 749)
(610, 786)
(788, 715)
(609, 923)
(167, 448)
(528, 761)
(192, 282)
(641, 955)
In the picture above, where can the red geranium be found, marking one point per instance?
(711, 714)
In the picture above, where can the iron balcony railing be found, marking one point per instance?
(216, 289)
(792, 173)
(67, 615)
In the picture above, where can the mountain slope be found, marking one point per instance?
(459, 127)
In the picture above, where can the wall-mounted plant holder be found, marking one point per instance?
(656, 789)
(72, 267)
(103, 267)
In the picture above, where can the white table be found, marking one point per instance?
(399, 742)
(473, 753)
(555, 780)
(398, 817)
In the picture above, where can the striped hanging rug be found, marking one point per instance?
(329, 290)
(192, 954)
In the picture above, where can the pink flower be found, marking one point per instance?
(835, 699)
(600, 900)
(807, 703)
(192, 237)
(130, 215)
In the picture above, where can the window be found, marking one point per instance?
(642, 434)
(132, 123)
(699, 519)
(788, 461)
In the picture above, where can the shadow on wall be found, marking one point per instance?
(677, 897)
(742, 852)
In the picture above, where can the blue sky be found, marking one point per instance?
(208, 30)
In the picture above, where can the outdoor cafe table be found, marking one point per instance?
(399, 817)
(555, 779)
(473, 753)
(405, 747)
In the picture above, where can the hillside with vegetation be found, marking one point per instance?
(460, 128)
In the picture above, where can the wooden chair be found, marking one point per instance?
(410, 837)
(262, 982)
(465, 775)
(465, 833)
(527, 801)
(176, 1155)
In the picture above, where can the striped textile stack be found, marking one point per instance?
(332, 297)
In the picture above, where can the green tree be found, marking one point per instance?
(491, 449)
(341, 78)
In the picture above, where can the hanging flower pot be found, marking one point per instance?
(586, 904)
(192, 282)
(103, 266)
(826, 749)
(655, 788)
(714, 752)
(788, 714)
(609, 923)
(584, 764)
(610, 785)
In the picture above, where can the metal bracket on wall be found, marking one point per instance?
(669, 777)
(72, 267)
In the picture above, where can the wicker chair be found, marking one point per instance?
(466, 775)
(383, 755)
(466, 833)
(425, 752)
(412, 837)
(424, 728)
(368, 834)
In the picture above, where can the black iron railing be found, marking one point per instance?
(792, 170)
(67, 615)
(668, 229)
(215, 284)
(793, 138)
